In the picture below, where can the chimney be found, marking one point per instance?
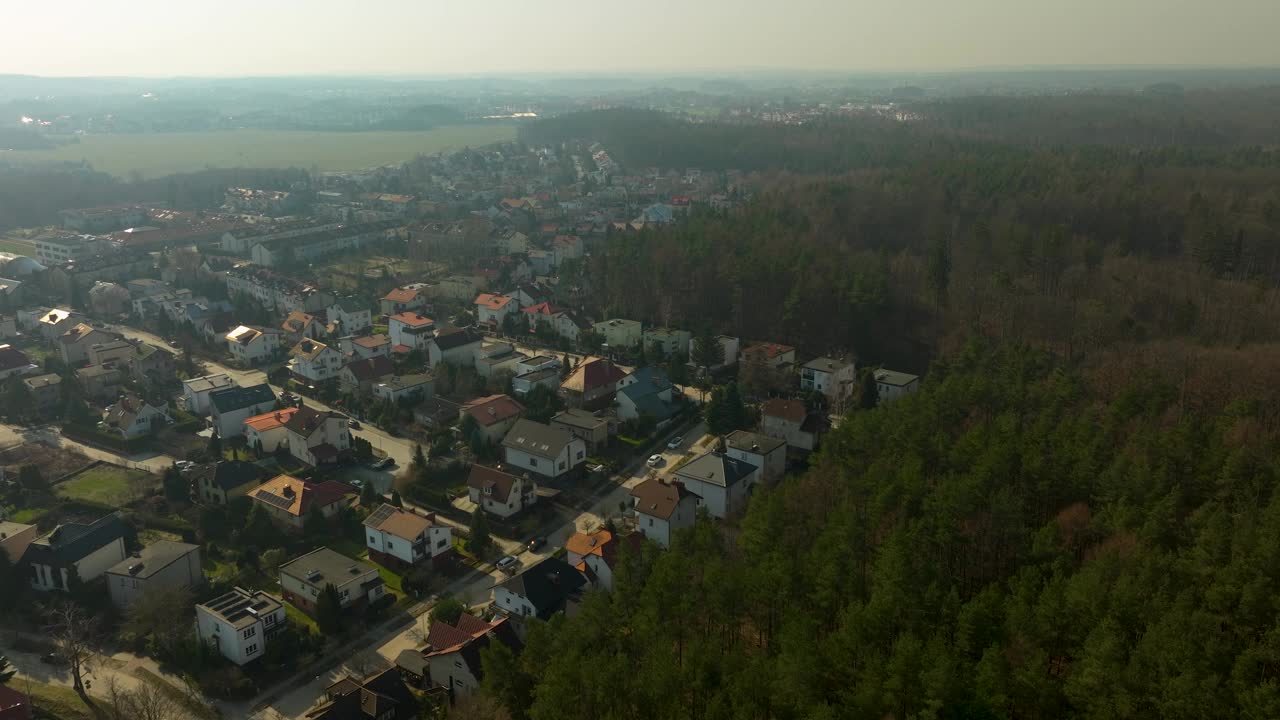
(288, 491)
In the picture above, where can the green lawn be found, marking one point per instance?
(54, 700)
(389, 578)
(300, 618)
(29, 516)
(109, 485)
(158, 154)
(18, 247)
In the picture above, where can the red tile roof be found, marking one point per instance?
(792, 410)
(493, 409)
(593, 373)
(401, 295)
(412, 319)
(491, 301)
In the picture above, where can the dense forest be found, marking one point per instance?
(1020, 539)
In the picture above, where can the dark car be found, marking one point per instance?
(53, 658)
(384, 463)
(353, 424)
(536, 543)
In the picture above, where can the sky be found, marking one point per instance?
(489, 37)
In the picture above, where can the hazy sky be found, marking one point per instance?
(452, 37)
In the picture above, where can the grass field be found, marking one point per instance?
(157, 154)
(108, 485)
(17, 247)
(54, 700)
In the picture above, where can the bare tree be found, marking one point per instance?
(144, 702)
(73, 630)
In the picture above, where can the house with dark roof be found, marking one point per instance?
(289, 500)
(663, 508)
(88, 551)
(15, 362)
(230, 407)
(592, 384)
(305, 577)
(891, 384)
(358, 376)
(647, 392)
(226, 480)
(451, 658)
(317, 437)
(593, 429)
(14, 705)
(791, 421)
(383, 696)
(498, 492)
(73, 345)
(159, 567)
(540, 591)
(722, 483)
(765, 452)
(453, 346)
(347, 316)
(542, 450)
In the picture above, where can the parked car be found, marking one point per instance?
(384, 463)
(654, 461)
(676, 442)
(353, 424)
(53, 658)
(507, 564)
(536, 543)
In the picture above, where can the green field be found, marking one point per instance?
(157, 154)
(108, 485)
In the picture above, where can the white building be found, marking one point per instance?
(663, 508)
(61, 249)
(161, 566)
(543, 450)
(598, 552)
(133, 417)
(349, 316)
(266, 432)
(317, 437)
(87, 551)
(240, 623)
(453, 346)
(668, 341)
(196, 391)
(831, 377)
(891, 385)
(492, 310)
(723, 483)
(254, 345)
(765, 452)
(304, 578)
(500, 493)
(396, 536)
(410, 330)
(314, 362)
(229, 408)
(620, 333)
(400, 387)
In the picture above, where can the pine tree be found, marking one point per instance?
(368, 495)
(868, 390)
(214, 448)
(735, 412)
(329, 610)
(479, 540)
(395, 499)
(713, 413)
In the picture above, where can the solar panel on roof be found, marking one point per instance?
(274, 500)
(380, 515)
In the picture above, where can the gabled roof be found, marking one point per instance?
(228, 475)
(790, 410)
(547, 585)
(593, 373)
(542, 308)
(647, 401)
(71, 542)
(400, 523)
(238, 398)
(307, 419)
(491, 301)
(371, 368)
(767, 351)
(658, 498)
(78, 334)
(12, 358)
(370, 699)
(716, 468)
(412, 319)
(297, 321)
(499, 481)
(493, 409)
(401, 295)
(537, 439)
(308, 349)
(454, 337)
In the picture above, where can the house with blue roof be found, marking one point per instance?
(647, 391)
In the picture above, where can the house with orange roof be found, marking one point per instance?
(252, 345)
(451, 659)
(410, 329)
(596, 554)
(402, 299)
(492, 310)
(366, 346)
(592, 384)
(298, 325)
(266, 432)
(402, 538)
(288, 500)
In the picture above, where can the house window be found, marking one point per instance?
(650, 522)
(250, 632)
(580, 453)
(444, 542)
(562, 465)
(269, 620)
(533, 462)
(251, 650)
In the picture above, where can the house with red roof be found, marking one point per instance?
(403, 299)
(596, 554)
(14, 705)
(451, 658)
(494, 414)
(410, 329)
(498, 492)
(492, 310)
(266, 432)
(592, 384)
(288, 500)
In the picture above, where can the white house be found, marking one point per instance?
(230, 407)
(543, 450)
(254, 345)
(492, 310)
(410, 331)
(789, 420)
(453, 346)
(74, 344)
(400, 537)
(314, 362)
(540, 591)
(891, 385)
(132, 417)
(161, 566)
(620, 333)
(400, 387)
(663, 508)
(596, 554)
(499, 492)
(668, 341)
(494, 415)
(831, 377)
(196, 391)
(366, 346)
(267, 431)
(723, 483)
(451, 659)
(348, 316)
(239, 624)
(87, 550)
(304, 578)
(728, 346)
(14, 362)
(765, 452)
(317, 437)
